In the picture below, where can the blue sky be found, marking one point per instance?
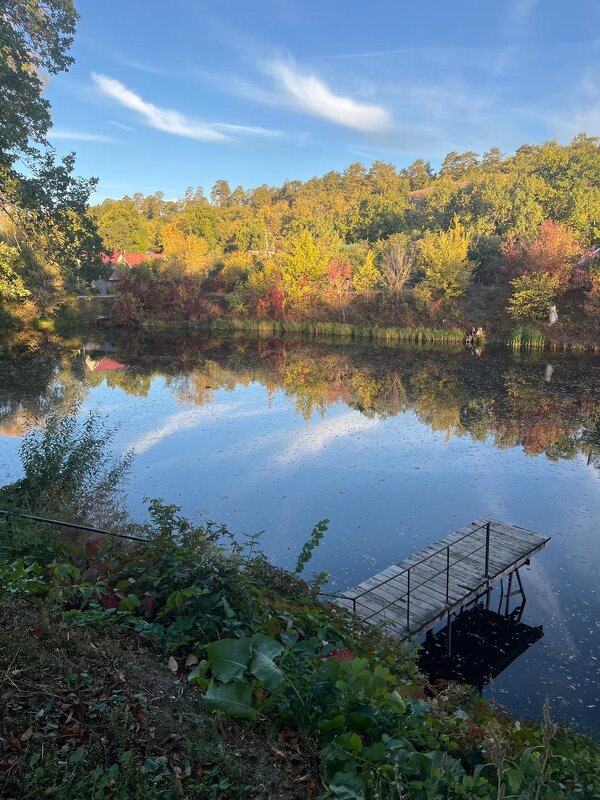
(167, 95)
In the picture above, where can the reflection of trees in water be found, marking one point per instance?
(35, 383)
(509, 398)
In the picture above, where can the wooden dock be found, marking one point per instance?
(410, 597)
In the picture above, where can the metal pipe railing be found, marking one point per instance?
(57, 523)
(407, 572)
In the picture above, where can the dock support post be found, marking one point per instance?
(508, 594)
(487, 550)
(520, 585)
(449, 634)
(487, 564)
(408, 601)
(447, 574)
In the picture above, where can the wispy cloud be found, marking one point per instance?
(315, 438)
(140, 66)
(163, 119)
(520, 13)
(79, 136)
(178, 423)
(120, 125)
(172, 121)
(309, 93)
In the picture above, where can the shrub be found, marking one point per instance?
(533, 294)
(69, 469)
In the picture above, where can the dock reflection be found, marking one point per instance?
(484, 644)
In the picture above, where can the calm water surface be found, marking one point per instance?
(396, 447)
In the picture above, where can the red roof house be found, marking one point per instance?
(107, 363)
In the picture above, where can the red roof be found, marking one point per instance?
(133, 259)
(107, 363)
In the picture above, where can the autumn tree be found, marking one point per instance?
(305, 267)
(419, 174)
(185, 254)
(367, 277)
(398, 265)
(550, 250)
(220, 193)
(445, 264)
(339, 283)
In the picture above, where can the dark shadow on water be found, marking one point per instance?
(484, 644)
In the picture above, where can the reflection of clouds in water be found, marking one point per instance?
(543, 589)
(188, 419)
(314, 439)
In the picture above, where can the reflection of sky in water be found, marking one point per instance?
(389, 486)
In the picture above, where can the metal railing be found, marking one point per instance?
(57, 523)
(407, 571)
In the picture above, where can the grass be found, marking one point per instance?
(527, 337)
(92, 714)
(364, 332)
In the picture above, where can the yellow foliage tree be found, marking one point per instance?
(185, 254)
(367, 276)
(304, 269)
(445, 264)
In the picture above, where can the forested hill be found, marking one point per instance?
(526, 223)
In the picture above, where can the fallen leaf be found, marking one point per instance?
(25, 737)
(191, 660)
(173, 665)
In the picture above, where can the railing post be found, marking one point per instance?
(408, 601)
(487, 550)
(354, 605)
(447, 574)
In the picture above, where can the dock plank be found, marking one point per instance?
(383, 598)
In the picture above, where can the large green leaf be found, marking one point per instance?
(233, 699)
(229, 658)
(265, 650)
(347, 786)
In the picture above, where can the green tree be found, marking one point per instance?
(419, 174)
(43, 211)
(35, 36)
(220, 193)
(533, 294)
(12, 286)
(121, 226)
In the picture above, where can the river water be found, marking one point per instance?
(396, 447)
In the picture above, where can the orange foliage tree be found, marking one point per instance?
(551, 249)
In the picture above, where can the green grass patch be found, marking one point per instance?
(333, 330)
(527, 337)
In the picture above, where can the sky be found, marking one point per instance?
(168, 95)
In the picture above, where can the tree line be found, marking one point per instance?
(370, 238)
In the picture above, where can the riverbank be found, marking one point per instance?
(174, 660)
(523, 337)
(189, 668)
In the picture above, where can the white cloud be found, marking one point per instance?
(163, 119)
(179, 422)
(120, 125)
(315, 438)
(309, 93)
(78, 136)
(171, 121)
